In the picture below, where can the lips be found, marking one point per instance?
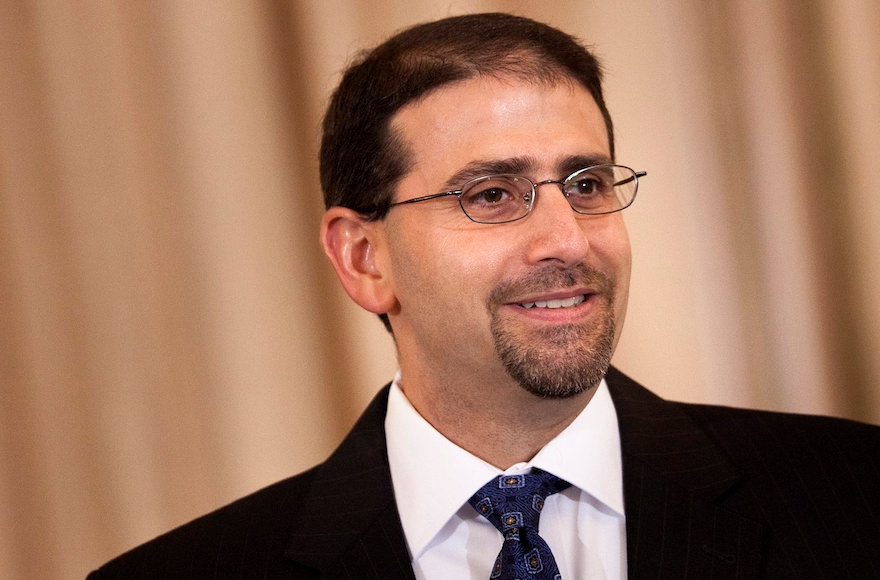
(551, 289)
(556, 302)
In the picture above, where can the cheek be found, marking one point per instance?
(433, 264)
(609, 241)
(468, 272)
(619, 258)
(624, 253)
(610, 245)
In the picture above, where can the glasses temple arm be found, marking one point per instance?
(628, 179)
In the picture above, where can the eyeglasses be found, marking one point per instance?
(498, 199)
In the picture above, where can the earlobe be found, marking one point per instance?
(353, 245)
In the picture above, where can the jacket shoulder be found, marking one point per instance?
(808, 482)
(262, 535)
(242, 539)
(811, 435)
(748, 431)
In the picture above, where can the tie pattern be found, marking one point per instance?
(513, 504)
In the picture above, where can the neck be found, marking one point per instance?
(512, 429)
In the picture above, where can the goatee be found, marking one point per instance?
(561, 361)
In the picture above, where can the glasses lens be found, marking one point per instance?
(496, 198)
(601, 189)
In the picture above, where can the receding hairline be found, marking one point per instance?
(523, 65)
(416, 62)
(561, 78)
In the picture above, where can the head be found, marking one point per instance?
(402, 125)
(362, 158)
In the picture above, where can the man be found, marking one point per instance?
(474, 204)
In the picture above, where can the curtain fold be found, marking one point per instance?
(172, 338)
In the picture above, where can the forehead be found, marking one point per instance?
(488, 119)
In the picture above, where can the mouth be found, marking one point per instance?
(553, 295)
(555, 303)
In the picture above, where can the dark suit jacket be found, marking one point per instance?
(710, 492)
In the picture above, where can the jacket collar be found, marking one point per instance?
(681, 493)
(348, 525)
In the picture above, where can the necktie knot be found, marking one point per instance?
(513, 504)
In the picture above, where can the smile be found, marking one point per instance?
(560, 303)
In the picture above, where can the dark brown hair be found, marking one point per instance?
(362, 159)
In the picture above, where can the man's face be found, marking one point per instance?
(541, 300)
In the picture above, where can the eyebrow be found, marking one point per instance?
(519, 166)
(483, 167)
(574, 162)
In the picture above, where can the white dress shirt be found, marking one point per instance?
(433, 478)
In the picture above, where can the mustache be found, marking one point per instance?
(551, 278)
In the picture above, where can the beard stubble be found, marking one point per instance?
(562, 361)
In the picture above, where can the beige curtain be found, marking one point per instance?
(171, 337)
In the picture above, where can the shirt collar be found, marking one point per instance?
(433, 478)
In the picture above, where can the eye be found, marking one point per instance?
(491, 191)
(496, 198)
(585, 186)
(490, 195)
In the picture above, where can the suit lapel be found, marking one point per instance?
(349, 526)
(680, 493)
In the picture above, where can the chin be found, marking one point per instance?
(568, 362)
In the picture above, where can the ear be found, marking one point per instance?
(355, 246)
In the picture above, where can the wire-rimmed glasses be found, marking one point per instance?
(498, 199)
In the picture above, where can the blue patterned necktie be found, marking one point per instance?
(513, 504)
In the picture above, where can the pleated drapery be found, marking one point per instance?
(171, 336)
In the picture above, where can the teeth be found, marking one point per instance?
(563, 303)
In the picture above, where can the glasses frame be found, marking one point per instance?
(534, 192)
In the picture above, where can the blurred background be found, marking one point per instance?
(171, 336)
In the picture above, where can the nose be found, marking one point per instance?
(556, 233)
